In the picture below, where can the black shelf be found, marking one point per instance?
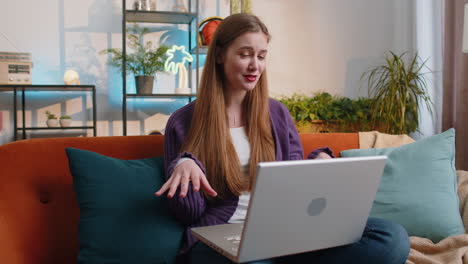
(189, 18)
(23, 88)
(43, 87)
(55, 128)
(159, 17)
(161, 95)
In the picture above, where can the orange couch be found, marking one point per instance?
(38, 211)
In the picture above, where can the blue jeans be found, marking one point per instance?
(382, 242)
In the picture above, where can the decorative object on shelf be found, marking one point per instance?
(144, 5)
(155, 132)
(52, 120)
(397, 88)
(65, 121)
(207, 28)
(179, 6)
(71, 77)
(240, 6)
(177, 56)
(144, 63)
(15, 67)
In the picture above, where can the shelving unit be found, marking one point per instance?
(162, 17)
(45, 88)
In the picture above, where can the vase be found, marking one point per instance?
(144, 84)
(52, 122)
(183, 91)
(144, 5)
(65, 122)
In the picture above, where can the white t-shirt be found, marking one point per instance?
(242, 146)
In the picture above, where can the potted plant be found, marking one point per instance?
(52, 120)
(65, 121)
(397, 88)
(324, 112)
(238, 6)
(144, 62)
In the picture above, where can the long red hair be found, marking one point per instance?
(208, 137)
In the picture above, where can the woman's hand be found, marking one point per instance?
(323, 155)
(184, 173)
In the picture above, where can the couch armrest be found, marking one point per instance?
(10, 248)
(463, 195)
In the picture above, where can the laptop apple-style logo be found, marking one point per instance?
(316, 206)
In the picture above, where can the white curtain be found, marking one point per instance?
(428, 23)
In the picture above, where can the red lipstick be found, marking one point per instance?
(250, 78)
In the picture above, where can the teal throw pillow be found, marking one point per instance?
(419, 186)
(121, 221)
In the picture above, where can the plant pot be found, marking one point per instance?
(319, 126)
(52, 123)
(144, 84)
(183, 91)
(65, 122)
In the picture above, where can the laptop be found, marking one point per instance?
(300, 206)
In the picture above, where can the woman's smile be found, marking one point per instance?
(250, 78)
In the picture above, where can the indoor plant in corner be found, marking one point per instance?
(144, 62)
(398, 88)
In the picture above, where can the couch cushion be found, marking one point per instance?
(418, 187)
(335, 141)
(121, 221)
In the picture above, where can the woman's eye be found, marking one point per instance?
(261, 57)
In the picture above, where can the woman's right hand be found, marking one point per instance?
(184, 173)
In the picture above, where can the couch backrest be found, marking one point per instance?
(38, 210)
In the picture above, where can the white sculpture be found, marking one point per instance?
(71, 77)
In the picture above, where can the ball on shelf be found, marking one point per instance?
(71, 77)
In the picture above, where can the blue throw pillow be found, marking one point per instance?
(419, 186)
(121, 221)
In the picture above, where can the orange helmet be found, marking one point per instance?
(207, 28)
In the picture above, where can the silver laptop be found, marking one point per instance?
(300, 206)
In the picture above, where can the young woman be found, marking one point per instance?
(212, 147)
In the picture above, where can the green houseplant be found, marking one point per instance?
(397, 88)
(65, 121)
(52, 120)
(326, 113)
(144, 62)
(240, 5)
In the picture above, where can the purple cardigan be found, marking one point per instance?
(194, 210)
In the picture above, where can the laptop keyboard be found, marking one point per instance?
(234, 239)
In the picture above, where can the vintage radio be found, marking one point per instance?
(15, 68)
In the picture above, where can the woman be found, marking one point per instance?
(212, 147)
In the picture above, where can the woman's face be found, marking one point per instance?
(244, 61)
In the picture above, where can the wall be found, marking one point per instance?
(317, 45)
(325, 45)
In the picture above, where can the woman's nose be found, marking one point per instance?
(253, 65)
